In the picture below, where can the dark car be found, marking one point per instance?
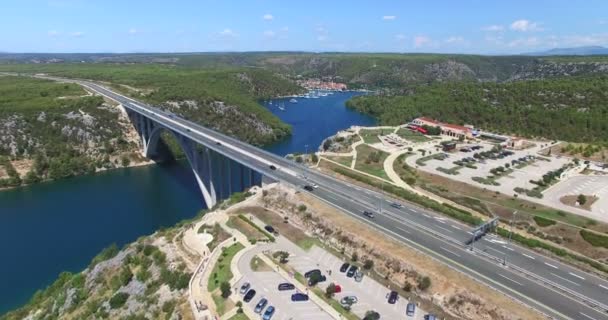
(299, 297)
(261, 305)
(368, 214)
(310, 272)
(351, 271)
(313, 282)
(218, 143)
(392, 297)
(344, 267)
(249, 295)
(268, 314)
(269, 228)
(308, 187)
(272, 167)
(396, 205)
(286, 286)
(430, 317)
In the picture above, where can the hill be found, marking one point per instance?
(577, 51)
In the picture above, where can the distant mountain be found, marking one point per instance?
(578, 51)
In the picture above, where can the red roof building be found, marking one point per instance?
(447, 129)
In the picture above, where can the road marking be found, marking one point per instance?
(403, 230)
(552, 266)
(603, 287)
(587, 316)
(445, 229)
(508, 248)
(574, 283)
(440, 220)
(528, 256)
(447, 250)
(510, 279)
(414, 210)
(495, 250)
(455, 227)
(426, 215)
(576, 275)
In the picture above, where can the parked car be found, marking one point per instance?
(368, 214)
(261, 305)
(396, 205)
(268, 314)
(359, 276)
(269, 228)
(313, 282)
(410, 310)
(349, 300)
(392, 297)
(430, 317)
(249, 295)
(344, 267)
(244, 287)
(286, 286)
(351, 271)
(308, 273)
(299, 297)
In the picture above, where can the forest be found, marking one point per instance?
(572, 109)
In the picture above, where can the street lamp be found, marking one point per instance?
(511, 231)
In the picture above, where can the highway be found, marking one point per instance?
(553, 288)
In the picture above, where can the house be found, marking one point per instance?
(447, 129)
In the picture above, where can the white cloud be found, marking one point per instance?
(77, 34)
(269, 34)
(389, 17)
(53, 33)
(525, 42)
(525, 25)
(133, 31)
(268, 17)
(421, 41)
(285, 29)
(228, 33)
(455, 39)
(322, 38)
(400, 37)
(322, 33)
(493, 28)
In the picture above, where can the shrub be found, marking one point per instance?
(118, 300)
(424, 283)
(330, 290)
(543, 222)
(368, 264)
(581, 199)
(225, 289)
(596, 240)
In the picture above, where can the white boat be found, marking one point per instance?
(282, 107)
(270, 102)
(292, 100)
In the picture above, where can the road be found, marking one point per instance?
(556, 289)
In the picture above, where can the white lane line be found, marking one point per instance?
(576, 275)
(603, 287)
(426, 215)
(529, 256)
(587, 316)
(508, 248)
(447, 250)
(403, 230)
(455, 227)
(444, 229)
(552, 266)
(414, 210)
(510, 279)
(439, 220)
(574, 283)
(496, 250)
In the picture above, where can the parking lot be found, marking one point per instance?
(587, 185)
(265, 283)
(371, 295)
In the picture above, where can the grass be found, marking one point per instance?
(595, 239)
(245, 228)
(221, 271)
(371, 135)
(335, 304)
(371, 160)
(258, 264)
(341, 160)
(256, 227)
(221, 304)
(543, 222)
(452, 171)
(239, 316)
(410, 135)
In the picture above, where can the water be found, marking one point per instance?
(52, 227)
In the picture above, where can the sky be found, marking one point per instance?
(442, 26)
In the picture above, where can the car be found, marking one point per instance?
(188, 130)
(286, 286)
(268, 314)
(308, 187)
(396, 205)
(313, 282)
(410, 310)
(392, 297)
(348, 300)
(307, 274)
(351, 271)
(272, 167)
(344, 267)
(359, 276)
(299, 297)
(249, 295)
(218, 143)
(269, 228)
(244, 287)
(430, 317)
(368, 214)
(261, 305)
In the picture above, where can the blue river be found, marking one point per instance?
(61, 225)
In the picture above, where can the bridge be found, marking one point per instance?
(555, 289)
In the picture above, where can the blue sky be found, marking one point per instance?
(459, 26)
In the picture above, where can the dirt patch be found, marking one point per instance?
(23, 166)
(456, 293)
(582, 151)
(258, 265)
(572, 201)
(288, 230)
(249, 231)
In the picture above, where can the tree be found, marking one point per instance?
(424, 283)
(582, 199)
(330, 290)
(368, 264)
(118, 300)
(371, 315)
(314, 158)
(225, 289)
(407, 287)
(354, 257)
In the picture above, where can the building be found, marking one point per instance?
(447, 129)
